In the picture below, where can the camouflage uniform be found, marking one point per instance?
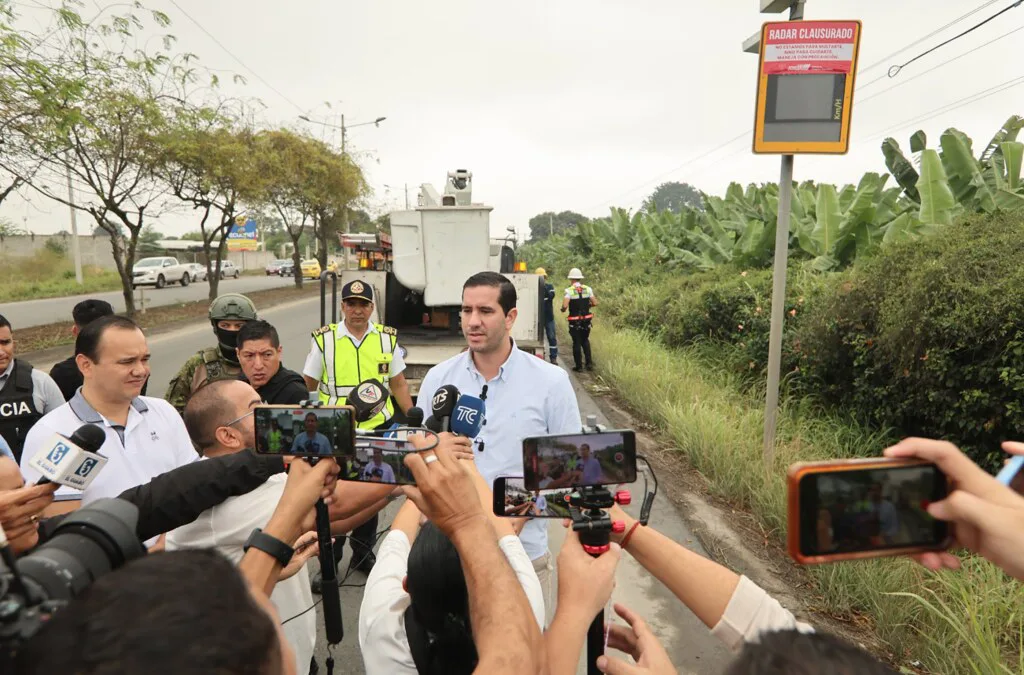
(211, 364)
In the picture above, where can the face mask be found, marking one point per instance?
(227, 339)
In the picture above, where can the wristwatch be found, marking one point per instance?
(272, 546)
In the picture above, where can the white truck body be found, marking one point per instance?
(435, 248)
(159, 271)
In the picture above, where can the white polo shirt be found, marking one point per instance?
(226, 528)
(152, 442)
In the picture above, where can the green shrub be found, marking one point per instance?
(928, 337)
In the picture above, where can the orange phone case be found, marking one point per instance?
(801, 469)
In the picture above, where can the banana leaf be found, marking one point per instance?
(938, 205)
(964, 172)
(829, 216)
(901, 168)
(1008, 132)
(918, 142)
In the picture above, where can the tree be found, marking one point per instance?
(9, 229)
(110, 100)
(209, 161)
(550, 223)
(674, 197)
(148, 239)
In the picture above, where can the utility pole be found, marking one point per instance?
(771, 403)
(344, 211)
(551, 226)
(76, 251)
(406, 196)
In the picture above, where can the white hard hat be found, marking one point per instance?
(575, 273)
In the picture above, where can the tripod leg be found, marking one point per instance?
(595, 643)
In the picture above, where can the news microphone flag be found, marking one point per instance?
(468, 417)
(62, 461)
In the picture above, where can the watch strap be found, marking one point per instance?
(272, 546)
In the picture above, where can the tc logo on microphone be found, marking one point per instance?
(466, 414)
(440, 398)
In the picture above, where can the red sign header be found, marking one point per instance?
(796, 47)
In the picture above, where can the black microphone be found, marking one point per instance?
(414, 417)
(65, 456)
(368, 398)
(442, 405)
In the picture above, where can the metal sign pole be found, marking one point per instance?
(771, 403)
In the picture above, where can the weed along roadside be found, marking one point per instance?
(948, 622)
(58, 334)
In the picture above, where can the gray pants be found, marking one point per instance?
(544, 566)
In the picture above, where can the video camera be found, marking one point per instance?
(88, 543)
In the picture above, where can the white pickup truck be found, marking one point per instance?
(159, 272)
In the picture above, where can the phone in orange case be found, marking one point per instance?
(849, 509)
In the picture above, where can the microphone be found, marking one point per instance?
(442, 405)
(469, 416)
(74, 461)
(368, 398)
(414, 417)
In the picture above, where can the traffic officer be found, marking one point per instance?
(549, 315)
(26, 393)
(578, 299)
(228, 314)
(340, 357)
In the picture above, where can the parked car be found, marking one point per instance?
(160, 271)
(274, 268)
(228, 269)
(197, 271)
(311, 269)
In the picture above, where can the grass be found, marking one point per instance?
(57, 334)
(49, 274)
(952, 622)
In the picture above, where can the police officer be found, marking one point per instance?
(578, 299)
(340, 357)
(26, 394)
(549, 315)
(228, 314)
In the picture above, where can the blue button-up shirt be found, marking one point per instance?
(529, 397)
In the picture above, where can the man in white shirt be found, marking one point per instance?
(311, 441)
(219, 418)
(386, 475)
(525, 397)
(145, 436)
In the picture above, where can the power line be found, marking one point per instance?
(240, 62)
(895, 70)
(745, 134)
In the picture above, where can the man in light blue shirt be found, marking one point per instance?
(311, 441)
(592, 472)
(526, 396)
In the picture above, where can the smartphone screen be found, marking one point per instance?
(377, 460)
(859, 510)
(568, 461)
(513, 500)
(304, 432)
(1013, 474)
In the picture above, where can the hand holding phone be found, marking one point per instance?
(988, 515)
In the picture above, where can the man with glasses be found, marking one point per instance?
(340, 357)
(259, 354)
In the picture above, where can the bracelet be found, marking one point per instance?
(625, 540)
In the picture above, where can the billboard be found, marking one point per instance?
(243, 235)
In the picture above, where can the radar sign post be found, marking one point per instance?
(805, 79)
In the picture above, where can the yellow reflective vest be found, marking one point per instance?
(346, 365)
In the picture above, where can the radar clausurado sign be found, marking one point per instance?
(805, 83)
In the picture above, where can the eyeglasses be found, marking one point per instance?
(238, 419)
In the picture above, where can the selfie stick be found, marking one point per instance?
(329, 592)
(594, 526)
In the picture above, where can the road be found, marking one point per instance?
(50, 310)
(686, 639)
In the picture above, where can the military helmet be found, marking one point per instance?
(233, 307)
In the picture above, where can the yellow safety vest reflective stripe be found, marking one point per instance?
(346, 365)
(578, 309)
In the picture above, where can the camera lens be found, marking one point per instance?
(88, 544)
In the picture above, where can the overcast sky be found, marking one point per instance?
(573, 104)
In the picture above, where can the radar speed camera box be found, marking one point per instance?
(805, 86)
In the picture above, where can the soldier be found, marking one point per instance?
(228, 314)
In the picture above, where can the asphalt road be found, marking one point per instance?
(40, 312)
(686, 639)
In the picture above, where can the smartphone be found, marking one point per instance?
(329, 431)
(1012, 474)
(864, 508)
(513, 500)
(577, 460)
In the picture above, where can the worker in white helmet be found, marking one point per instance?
(579, 300)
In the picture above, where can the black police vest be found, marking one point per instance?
(579, 306)
(17, 409)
